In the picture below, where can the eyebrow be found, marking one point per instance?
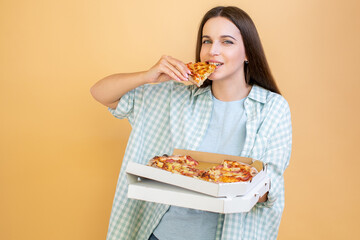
(222, 36)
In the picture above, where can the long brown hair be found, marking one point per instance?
(257, 69)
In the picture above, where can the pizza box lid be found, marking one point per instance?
(158, 192)
(206, 160)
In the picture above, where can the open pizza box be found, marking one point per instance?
(206, 160)
(156, 185)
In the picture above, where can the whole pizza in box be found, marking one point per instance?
(226, 172)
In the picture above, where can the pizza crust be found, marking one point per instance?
(197, 83)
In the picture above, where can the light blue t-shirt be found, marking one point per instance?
(226, 135)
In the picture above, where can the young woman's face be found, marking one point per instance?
(222, 44)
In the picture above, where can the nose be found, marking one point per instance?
(215, 49)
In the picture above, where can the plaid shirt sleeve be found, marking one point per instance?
(132, 103)
(125, 106)
(277, 156)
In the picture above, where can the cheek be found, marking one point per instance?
(205, 51)
(202, 54)
(236, 57)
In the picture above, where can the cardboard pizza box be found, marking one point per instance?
(206, 160)
(158, 192)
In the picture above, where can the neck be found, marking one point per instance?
(233, 91)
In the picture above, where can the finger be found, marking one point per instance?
(171, 74)
(180, 66)
(176, 72)
(177, 67)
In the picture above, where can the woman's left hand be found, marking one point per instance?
(263, 198)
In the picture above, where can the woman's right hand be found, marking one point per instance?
(167, 68)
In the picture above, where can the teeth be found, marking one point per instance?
(216, 64)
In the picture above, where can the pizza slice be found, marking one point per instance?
(200, 71)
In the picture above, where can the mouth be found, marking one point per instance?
(217, 64)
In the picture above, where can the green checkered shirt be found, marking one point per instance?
(172, 115)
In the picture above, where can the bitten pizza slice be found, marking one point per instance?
(200, 71)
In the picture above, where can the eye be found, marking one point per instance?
(206, 41)
(228, 42)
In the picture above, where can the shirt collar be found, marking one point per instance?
(199, 91)
(258, 94)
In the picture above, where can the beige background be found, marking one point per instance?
(60, 151)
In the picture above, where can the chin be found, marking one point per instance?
(213, 77)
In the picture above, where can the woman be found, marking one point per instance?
(238, 111)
